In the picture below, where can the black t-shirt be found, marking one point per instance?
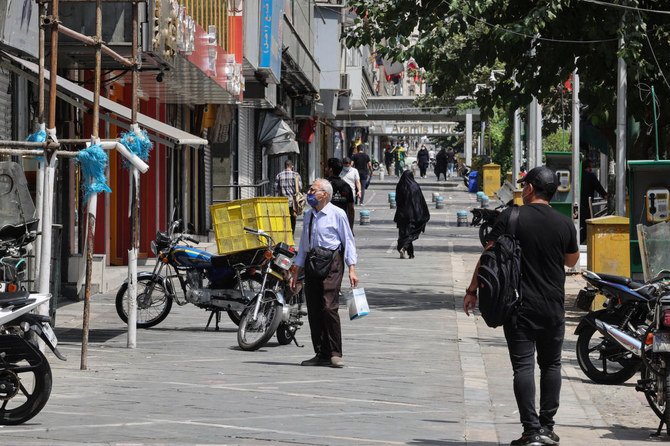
(361, 161)
(545, 236)
(342, 194)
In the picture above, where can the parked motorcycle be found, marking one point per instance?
(607, 343)
(25, 374)
(464, 172)
(216, 283)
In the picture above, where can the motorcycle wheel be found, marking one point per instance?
(484, 231)
(285, 333)
(595, 362)
(30, 376)
(251, 282)
(652, 396)
(151, 310)
(252, 335)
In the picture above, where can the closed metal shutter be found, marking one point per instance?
(245, 145)
(5, 106)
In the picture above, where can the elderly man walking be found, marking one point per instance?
(325, 226)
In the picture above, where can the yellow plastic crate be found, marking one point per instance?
(270, 214)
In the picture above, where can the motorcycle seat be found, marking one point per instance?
(621, 280)
(17, 298)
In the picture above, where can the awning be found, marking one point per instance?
(174, 134)
(276, 135)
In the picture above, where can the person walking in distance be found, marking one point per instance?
(388, 158)
(451, 160)
(350, 176)
(548, 243)
(343, 196)
(361, 161)
(423, 159)
(590, 185)
(285, 186)
(411, 213)
(325, 226)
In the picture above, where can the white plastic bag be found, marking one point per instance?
(358, 304)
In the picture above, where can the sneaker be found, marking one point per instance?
(315, 362)
(337, 362)
(402, 253)
(548, 436)
(529, 438)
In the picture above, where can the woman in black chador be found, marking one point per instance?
(411, 213)
(441, 164)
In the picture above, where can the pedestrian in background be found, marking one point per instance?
(590, 185)
(325, 226)
(285, 186)
(399, 159)
(441, 164)
(451, 160)
(423, 159)
(343, 196)
(351, 177)
(411, 214)
(361, 162)
(548, 243)
(388, 158)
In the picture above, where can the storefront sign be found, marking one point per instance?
(272, 14)
(415, 128)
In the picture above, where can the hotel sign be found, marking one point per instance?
(415, 128)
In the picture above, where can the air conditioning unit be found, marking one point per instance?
(344, 81)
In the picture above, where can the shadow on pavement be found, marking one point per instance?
(416, 300)
(98, 335)
(427, 442)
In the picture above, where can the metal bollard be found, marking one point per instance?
(439, 202)
(392, 204)
(462, 218)
(480, 194)
(485, 202)
(435, 195)
(364, 217)
(391, 196)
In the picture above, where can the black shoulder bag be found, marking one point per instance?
(319, 260)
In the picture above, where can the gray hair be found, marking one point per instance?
(326, 186)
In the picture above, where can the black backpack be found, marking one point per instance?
(499, 277)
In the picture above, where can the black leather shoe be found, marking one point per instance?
(529, 438)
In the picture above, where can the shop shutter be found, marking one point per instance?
(6, 106)
(245, 152)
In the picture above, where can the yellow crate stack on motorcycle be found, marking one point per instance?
(271, 214)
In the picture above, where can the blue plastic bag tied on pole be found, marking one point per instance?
(93, 161)
(140, 144)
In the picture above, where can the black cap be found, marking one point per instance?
(541, 177)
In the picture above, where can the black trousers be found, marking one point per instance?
(522, 341)
(323, 302)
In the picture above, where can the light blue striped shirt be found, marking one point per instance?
(330, 229)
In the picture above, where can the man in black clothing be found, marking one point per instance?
(590, 185)
(343, 196)
(548, 243)
(362, 163)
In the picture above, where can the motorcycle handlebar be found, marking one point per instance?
(191, 239)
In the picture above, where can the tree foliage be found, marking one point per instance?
(537, 45)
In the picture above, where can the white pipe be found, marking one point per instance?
(516, 155)
(538, 135)
(576, 174)
(531, 151)
(135, 160)
(467, 150)
(620, 195)
(131, 310)
(39, 198)
(47, 219)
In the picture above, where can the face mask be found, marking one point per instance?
(346, 168)
(524, 196)
(312, 200)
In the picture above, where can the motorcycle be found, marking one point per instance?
(654, 346)
(25, 374)
(464, 172)
(485, 219)
(216, 283)
(607, 343)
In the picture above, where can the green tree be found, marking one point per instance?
(537, 45)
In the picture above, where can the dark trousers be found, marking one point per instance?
(323, 302)
(422, 169)
(522, 341)
(364, 185)
(291, 212)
